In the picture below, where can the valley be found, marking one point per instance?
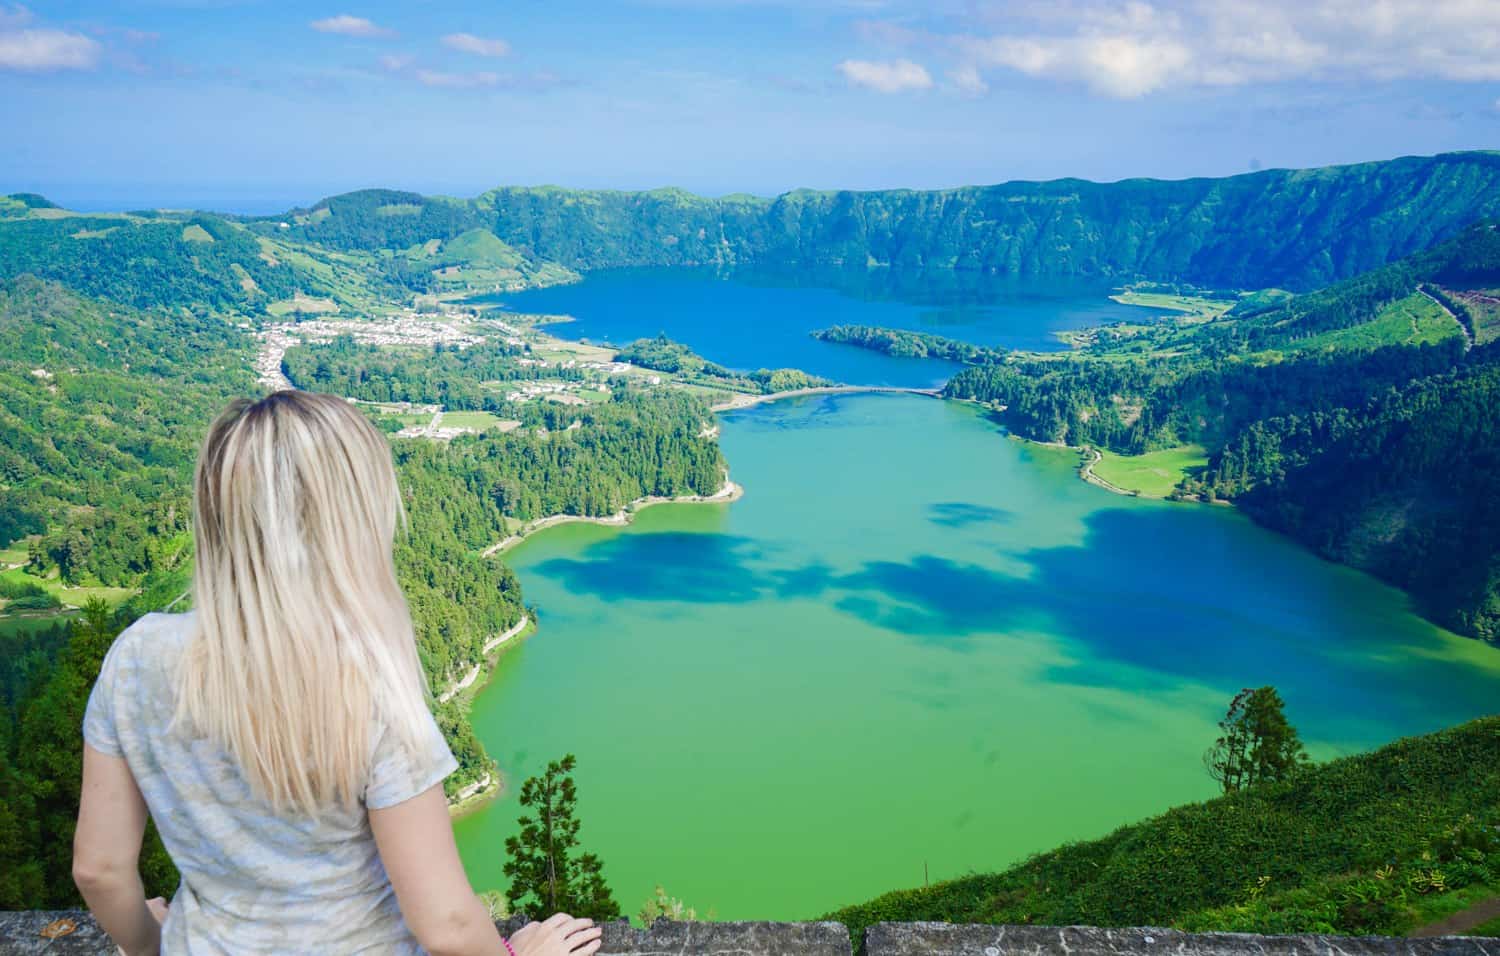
(898, 602)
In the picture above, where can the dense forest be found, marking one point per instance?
(440, 375)
(905, 344)
(1298, 229)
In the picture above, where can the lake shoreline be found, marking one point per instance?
(491, 785)
(731, 491)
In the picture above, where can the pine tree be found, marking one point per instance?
(1257, 744)
(546, 875)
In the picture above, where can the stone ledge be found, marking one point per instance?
(948, 939)
(20, 935)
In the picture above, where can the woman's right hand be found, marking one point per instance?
(558, 935)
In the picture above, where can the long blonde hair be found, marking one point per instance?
(303, 638)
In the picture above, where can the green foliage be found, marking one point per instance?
(41, 752)
(33, 201)
(548, 874)
(664, 355)
(1374, 453)
(1257, 744)
(101, 411)
(644, 445)
(904, 344)
(1297, 229)
(1422, 806)
(148, 264)
(439, 375)
(670, 908)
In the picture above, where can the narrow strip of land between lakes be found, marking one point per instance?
(746, 401)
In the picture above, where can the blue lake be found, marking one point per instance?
(751, 320)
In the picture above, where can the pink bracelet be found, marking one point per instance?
(508, 948)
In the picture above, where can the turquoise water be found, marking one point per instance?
(917, 645)
(761, 320)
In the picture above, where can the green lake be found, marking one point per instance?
(917, 646)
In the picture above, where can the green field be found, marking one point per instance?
(476, 420)
(14, 554)
(12, 624)
(1154, 474)
(73, 596)
(1414, 320)
(1190, 305)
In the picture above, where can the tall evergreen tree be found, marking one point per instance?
(547, 874)
(1257, 744)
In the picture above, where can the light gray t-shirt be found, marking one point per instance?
(253, 881)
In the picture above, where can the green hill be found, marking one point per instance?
(1357, 419)
(1376, 843)
(1298, 229)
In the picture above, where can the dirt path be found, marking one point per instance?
(1463, 920)
(1462, 325)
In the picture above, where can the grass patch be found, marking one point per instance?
(479, 421)
(1414, 320)
(1154, 474)
(1426, 910)
(76, 597)
(303, 303)
(1491, 929)
(15, 553)
(1189, 305)
(196, 233)
(12, 625)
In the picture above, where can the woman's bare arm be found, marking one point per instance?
(416, 845)
(107, 852)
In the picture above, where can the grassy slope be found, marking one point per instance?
(1153, 474)
(1309, 854)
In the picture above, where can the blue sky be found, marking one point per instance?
(246, 103)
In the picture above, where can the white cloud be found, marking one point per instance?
(460, 81)
(350, 26)
(41, 50)
(966, 79)
(396, 62)
(1131, 48)
(479, 46)
(895, 76)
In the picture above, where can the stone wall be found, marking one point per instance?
(21, 933)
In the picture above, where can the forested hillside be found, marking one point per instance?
(1293, 228)
(1359, 419)
(102, 407)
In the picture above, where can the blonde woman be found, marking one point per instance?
(279, 734)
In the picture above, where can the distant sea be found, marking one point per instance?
(243, 206)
